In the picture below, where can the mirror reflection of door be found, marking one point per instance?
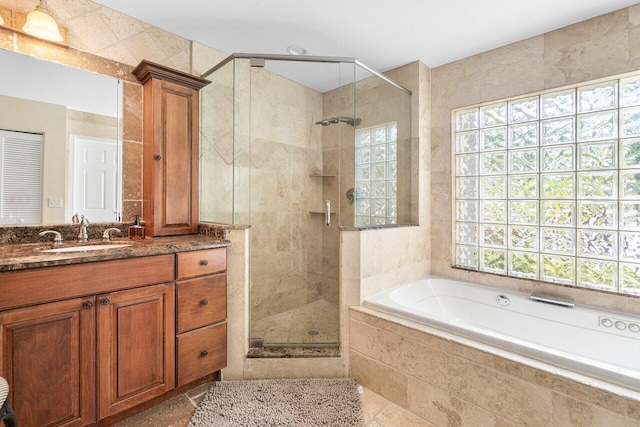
(20, 178)
(95, 178)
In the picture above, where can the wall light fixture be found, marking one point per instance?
(41, 24)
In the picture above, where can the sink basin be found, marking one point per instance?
(85, 248)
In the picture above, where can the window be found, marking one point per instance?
(376, 175)
(20, 178)
(548, 186)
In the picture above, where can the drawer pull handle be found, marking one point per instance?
(105, 301)
(87, 305)
(204, 302)
(157, 157)
(204, 262)
(204, 353)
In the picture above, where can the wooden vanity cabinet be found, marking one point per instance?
(170, 149)
(48, 357)
(83, 342)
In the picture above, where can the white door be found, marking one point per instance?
(95, 178)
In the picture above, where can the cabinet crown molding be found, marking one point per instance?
(147, 69)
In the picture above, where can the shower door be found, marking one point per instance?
(294, 245)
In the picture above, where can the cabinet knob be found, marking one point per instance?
(157, 157)
(204, 353)
(204, 262)
(87, 305)
(204, 302)
(105, 301)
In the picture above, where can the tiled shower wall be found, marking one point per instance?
(600, 47)
(286, 240)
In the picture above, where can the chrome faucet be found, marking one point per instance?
(106, 237)
(82, 234)
(57, 241)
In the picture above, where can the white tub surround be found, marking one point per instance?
(597, 343)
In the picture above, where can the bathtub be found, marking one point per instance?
(593, 342)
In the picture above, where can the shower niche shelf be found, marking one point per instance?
(320, 212)
(322, 175)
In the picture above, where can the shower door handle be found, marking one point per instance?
(327, 212)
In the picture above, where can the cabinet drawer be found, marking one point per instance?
(40, 285)
(200, 263)
(201, 352)
(201, 302)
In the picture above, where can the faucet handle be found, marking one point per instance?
(106, 237)
(57, 241)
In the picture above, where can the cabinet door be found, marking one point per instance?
(47, 354)
(174, 166)
(136, 349)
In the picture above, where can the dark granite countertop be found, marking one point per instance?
(29, 255)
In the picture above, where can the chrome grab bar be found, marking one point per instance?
(550, 299)
(327, 212)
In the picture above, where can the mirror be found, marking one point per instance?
(60, 143)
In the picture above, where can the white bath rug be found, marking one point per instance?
(281, 403)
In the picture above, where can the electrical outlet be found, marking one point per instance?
(55, 202)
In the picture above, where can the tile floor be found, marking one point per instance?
(293, 326)
(176, 412)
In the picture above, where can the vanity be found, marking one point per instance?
(88, 335)
(91, 336)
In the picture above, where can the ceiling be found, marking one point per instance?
(380, 34)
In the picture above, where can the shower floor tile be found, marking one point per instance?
(312, 324)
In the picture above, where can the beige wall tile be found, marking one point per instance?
(131, 170)
(132, 112)
(313, 367)
(573, 412)
(123, 26)
(203, 58)
(594, 395)
(592, 59)
(411, 357)
(90, 33)
(392, 415)
(237, 303)
(503, 422)
(386, 381)
(419, 333)
(634, 409)
(442, 408)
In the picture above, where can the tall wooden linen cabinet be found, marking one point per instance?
(170, 155)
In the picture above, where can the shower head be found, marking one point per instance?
(349, 120)
(333, 120)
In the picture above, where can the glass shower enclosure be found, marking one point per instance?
(298, 148)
